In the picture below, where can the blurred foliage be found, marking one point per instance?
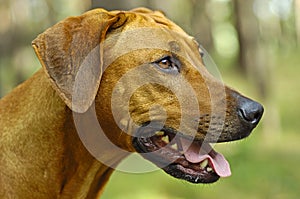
(256, 45)
(21, 22)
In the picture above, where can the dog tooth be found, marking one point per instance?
(160, 133)
(174, 146)
(204, 164)
(165, 139)
(209, 169)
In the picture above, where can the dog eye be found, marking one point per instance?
(165, 63)
(168, 64)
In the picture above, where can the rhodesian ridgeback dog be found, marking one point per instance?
(115, 83)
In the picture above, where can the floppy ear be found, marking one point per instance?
(71, 55)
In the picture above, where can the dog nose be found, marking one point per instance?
(250, 111)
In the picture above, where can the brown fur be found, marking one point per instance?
(41, 153)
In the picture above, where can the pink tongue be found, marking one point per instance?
(196, 153)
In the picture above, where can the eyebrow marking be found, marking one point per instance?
(174, 46)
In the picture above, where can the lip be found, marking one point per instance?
(164, 148)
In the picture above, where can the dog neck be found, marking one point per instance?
(52, 157)
(84, 174)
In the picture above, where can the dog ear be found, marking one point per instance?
(71, 54)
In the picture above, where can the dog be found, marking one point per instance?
(113, 83)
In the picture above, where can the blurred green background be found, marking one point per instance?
(255, 44)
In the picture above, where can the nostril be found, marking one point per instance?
(251, 111)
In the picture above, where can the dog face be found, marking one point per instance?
(151, 89)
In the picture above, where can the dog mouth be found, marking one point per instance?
(181, 156)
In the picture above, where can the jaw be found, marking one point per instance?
(180, 156)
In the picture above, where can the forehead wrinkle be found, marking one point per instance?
(160, 38)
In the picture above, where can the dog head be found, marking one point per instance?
(151, 89)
